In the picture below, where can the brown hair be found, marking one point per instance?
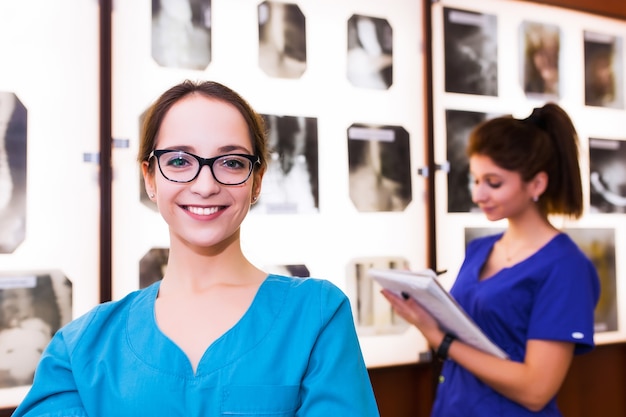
(547, 142)
(156, 113)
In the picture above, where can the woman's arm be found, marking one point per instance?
(532, 383)
(54, 392)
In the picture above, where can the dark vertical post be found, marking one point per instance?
(106, 169)
(430, 137)
(435, 366)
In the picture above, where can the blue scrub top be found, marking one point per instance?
(549, 296)
(295, 352)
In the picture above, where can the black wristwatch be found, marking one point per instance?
(442, 350)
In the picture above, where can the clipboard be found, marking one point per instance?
(424, 287)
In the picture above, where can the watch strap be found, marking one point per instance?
(442, 350)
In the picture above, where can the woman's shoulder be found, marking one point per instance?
(563, 257)
(562, 246)
(104, 316)
(303, 284)
(300, 289)
(316, 300)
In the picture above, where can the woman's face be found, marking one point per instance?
(500, 193)
(202, 213)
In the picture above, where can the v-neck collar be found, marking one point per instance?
(159, 352)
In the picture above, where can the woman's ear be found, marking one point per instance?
(256, 191)
(148, 179)
(258, 180)
(539, 184)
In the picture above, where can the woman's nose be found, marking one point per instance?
(478, 192)
(205, 183)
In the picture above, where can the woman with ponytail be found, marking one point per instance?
(530, 288)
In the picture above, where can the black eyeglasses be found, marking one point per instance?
(180, 166)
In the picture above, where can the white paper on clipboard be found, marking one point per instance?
(424, 287)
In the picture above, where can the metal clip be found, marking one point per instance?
(120, 143)
(424, 172)
(91, 157)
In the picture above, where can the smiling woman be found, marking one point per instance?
(216, 335)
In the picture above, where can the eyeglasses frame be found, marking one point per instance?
(254, 159)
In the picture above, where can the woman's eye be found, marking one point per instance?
(179, 162)
(494, 184)
(232, 163)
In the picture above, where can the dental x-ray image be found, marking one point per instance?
(282, 39)
(290, 184)
(181, 33)
(470, 52)
(370, 52)
(12, 172)
(607, 175)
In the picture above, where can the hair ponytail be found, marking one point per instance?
(545, 141)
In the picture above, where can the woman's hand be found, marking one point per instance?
(412, 312)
